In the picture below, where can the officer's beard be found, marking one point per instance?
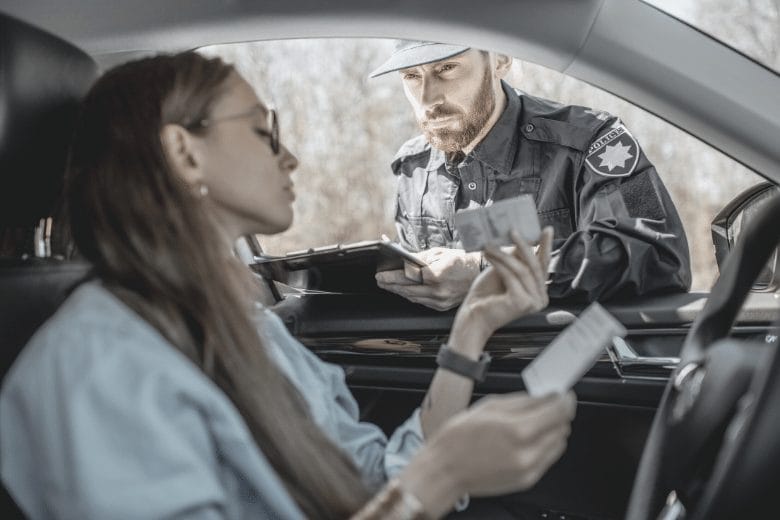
(472, 122)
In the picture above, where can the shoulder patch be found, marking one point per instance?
(613, 154)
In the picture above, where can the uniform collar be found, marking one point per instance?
(498, 148)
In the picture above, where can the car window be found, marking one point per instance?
(750, 26)
(345, 130)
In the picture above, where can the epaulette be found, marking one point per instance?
(575, 115)
(573, 126)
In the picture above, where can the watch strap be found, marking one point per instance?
(462, 365)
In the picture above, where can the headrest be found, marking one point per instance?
(42, 80)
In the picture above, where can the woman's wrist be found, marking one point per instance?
(468, 334)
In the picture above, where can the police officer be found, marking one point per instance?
(616, 231)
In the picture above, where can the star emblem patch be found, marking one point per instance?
(614, 154)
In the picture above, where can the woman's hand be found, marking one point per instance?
(507, 442)
(514, 285)
(503, 443)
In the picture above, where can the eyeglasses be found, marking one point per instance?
(273, 124)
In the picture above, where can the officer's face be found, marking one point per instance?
(452, 99)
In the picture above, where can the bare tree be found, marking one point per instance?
(750, 26)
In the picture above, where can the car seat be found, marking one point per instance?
(42, 79)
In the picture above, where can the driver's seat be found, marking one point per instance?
(42, 79)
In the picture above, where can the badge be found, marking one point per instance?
(614, 154)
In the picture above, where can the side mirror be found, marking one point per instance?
(727, 226)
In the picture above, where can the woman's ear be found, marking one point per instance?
(182, 153)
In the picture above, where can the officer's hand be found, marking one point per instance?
(513, 286)
(445, 281)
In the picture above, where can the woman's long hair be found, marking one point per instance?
(154, 245)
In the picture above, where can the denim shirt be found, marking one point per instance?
(617, 231)
(100, 417)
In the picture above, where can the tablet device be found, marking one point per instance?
(338, 268)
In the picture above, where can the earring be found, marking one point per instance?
(203, 190)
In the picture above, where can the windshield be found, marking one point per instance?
(346, 129)
(750, 26)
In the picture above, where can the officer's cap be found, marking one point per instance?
(409, 53)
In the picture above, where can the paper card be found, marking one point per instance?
(572, 353)
(493, 224)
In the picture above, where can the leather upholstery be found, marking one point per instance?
(42, 78)
(30, 292)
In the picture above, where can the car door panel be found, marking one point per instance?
(387, 348)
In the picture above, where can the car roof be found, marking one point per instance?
(626, 47)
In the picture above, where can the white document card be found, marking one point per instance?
(493, 224)
(572, 353)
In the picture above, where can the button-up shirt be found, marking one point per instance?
(101, 417)
(617, 231)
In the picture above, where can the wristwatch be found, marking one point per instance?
(461, 365)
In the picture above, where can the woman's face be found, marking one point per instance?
(249, 187)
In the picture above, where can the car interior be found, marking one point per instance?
(636, 448)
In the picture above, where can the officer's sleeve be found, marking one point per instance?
(629, 239)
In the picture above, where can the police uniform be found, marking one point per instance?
(616, 229)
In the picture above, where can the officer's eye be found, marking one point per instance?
(447, 67)
(410, 76)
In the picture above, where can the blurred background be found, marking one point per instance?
(345, 129)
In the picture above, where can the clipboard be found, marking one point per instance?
(339, 268)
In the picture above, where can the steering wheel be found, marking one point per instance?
(713, 450)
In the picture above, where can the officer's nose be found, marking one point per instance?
(431, 94)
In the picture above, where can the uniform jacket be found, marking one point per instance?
(617, 231)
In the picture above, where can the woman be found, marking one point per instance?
(160, 390)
